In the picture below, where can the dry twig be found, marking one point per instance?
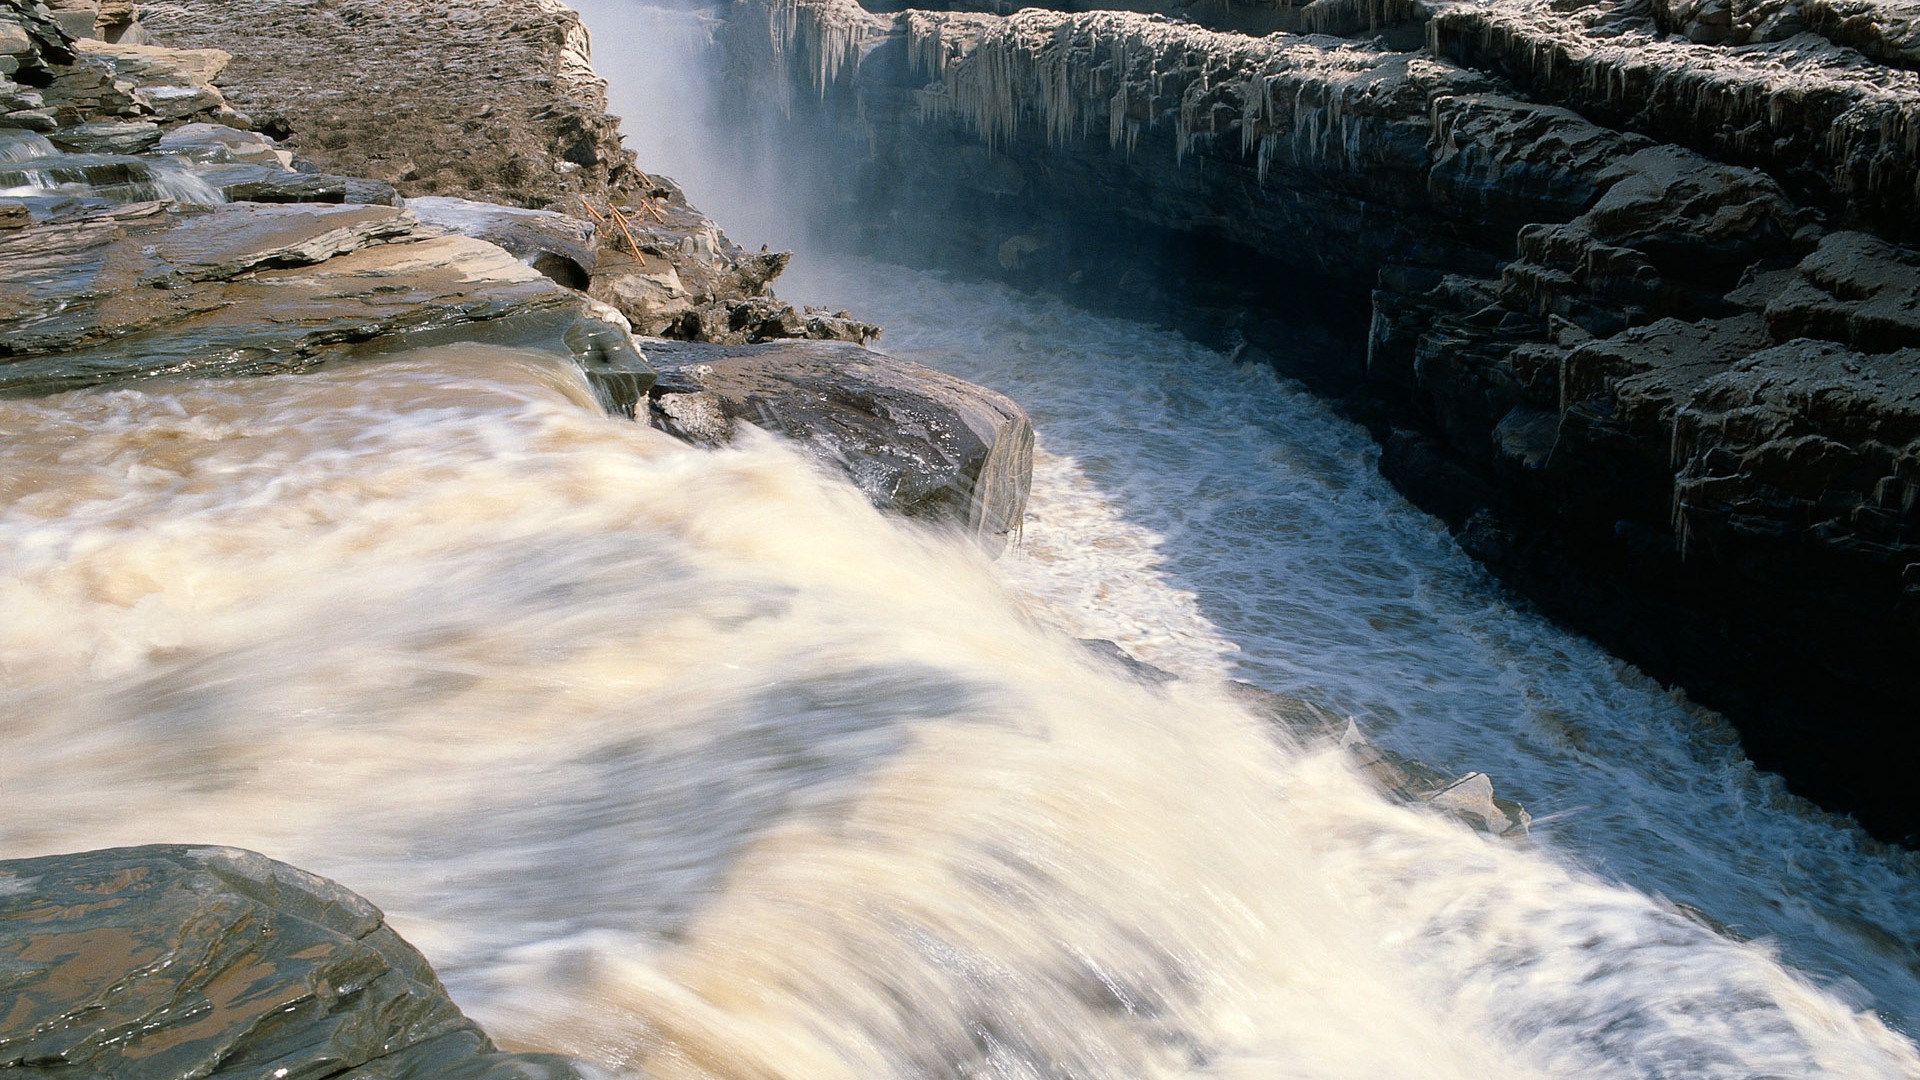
(619, 219)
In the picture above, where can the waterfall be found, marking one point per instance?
(692, 764)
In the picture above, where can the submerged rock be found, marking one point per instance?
(917, 441)
(124, 137)
(175, 962)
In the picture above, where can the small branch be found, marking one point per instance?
(618, 219)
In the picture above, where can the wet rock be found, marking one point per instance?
(404, 116)
(78, 78)
(205, 142)
(1139, 669)
(125, 137)
(673, 273)
(153, 65)
(14, 43)
(168, 84)
(559, 246)
(157, 289)
(916, 441)
(1469, 798)
(758, 319)
(179, 962)
(243, 181)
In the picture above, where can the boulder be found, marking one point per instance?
(176, 962)
(220, 143)
(154, 65)
(916, 441)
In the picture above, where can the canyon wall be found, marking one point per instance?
(1623, 288)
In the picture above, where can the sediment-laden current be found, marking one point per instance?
(691, 763)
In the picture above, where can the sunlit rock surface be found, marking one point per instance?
(496, 101)
(176, 962)
(915, 440)
(63, 66)
(157, 289)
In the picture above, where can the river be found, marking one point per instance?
(692, 764)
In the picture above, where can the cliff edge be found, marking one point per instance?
(1628, 290)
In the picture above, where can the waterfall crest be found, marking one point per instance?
(692, 764)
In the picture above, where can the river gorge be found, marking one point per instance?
(746, 742)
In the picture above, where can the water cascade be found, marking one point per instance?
(692, 764)
(689, 762)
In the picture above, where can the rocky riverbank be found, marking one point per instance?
(1621, 287)
(150, 230)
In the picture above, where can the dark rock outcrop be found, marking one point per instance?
(1638, 303)
(917, 441)
(187, 962)
(559, 246)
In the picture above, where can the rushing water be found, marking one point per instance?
(1215, 521)
(691, 763)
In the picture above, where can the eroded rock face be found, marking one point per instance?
(1838, 127)
(917, 441)
(1616, 277)
(177, 962)
(491, 100)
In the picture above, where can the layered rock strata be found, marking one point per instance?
(495, 101)
(1632, 303)
(144, 244)
(156, 288)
